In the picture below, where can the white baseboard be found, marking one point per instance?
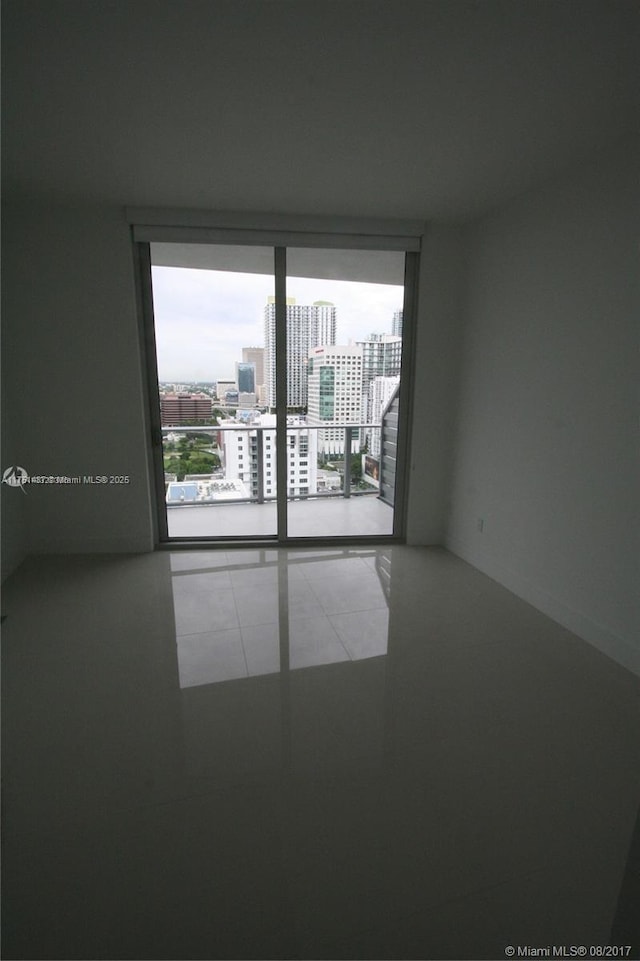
(614, 646)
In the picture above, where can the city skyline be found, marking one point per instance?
(204, 318)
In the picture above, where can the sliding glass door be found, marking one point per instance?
(344, 363)
(279, 390)
(218, 450)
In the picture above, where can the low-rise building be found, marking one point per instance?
(255, 441)
(177, 409)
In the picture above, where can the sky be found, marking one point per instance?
(204, 318)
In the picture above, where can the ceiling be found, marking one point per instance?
(431, 110)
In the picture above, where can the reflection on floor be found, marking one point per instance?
(296, 614)
(372, 753)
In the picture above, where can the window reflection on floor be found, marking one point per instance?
(245, 616)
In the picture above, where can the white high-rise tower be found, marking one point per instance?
(335, 389)
(381, 358)
(309, 325)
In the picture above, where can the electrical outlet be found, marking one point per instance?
(480, 524)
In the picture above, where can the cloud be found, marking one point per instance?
(204, 318)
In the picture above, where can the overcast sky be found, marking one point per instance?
(205, 317)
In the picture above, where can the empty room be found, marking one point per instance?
(320, 463)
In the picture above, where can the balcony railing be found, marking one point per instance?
(219, 488)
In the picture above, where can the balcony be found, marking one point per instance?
(241, 502)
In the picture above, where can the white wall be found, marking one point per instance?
(547, 432)
(74, 392)
(14, 524)
(75, 398)
(14, 535)
(437, 361)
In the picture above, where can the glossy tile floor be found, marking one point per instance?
(307, 754)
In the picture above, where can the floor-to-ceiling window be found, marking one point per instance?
(344, 363)
(279, 387)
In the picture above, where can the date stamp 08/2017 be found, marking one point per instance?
(568, 951)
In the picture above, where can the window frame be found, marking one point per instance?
(149, 226)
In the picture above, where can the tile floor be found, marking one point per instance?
(374, 753)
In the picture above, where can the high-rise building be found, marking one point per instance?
(381, 357)
(396, 323)
(381, 390)
(255, 355)
(335, 394)
(240, 449)
(246, 377)
(178, 409)
(308, 325)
